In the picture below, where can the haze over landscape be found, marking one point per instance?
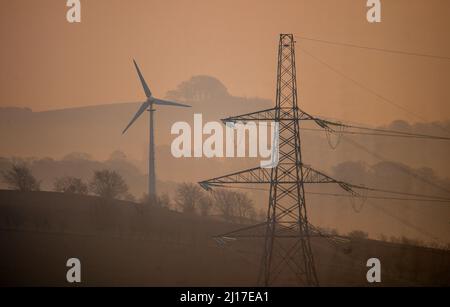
(66, 65)
(68, 91)
(73, 142)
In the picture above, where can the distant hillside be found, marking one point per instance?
(98, 129)
(122, 243)
(425, 221)
(51, 141)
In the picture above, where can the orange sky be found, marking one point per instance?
(47, 63)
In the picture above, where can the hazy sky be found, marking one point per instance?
(47, 63)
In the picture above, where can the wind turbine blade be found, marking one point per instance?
(147, 91)
(169, 103)
(143, 107)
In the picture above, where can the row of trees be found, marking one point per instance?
(19, 177)
(105, 183)
(189, 198)
(231, 205)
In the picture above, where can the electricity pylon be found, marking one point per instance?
(287, 255)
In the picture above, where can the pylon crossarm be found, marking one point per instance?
(311, 175)
(209, 185)
(286, 230)
(263, 115)
(252, 175)
(292, 258)
(286, 114)
(331, 238)
(260, 175)
(235, 233)
(324, 124)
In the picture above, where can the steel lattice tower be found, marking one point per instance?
(287, 255)
(287, 206)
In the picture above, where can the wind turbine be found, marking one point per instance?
(148, 105)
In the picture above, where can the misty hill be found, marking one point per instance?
(96, 130)
(79, 165)
(426, 221)
(48, 138)
(123, 243)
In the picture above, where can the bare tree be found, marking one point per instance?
(71, 185)
(234, 205)
(261, 215)
(244, 207)
(205, 205)
(163, 201)
(224, 202)
(19, 177)
(199, 88)
(188, 197)
(108, 184)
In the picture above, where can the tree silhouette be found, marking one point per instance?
(108, 184)
(163, 201)
(20, 178)
(199, 88)
(244, 207)
(234, 205)
(188, 197)
(205, 205)
(71, 185)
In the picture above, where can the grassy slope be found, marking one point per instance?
(122, 243)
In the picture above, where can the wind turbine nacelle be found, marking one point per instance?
(148, 104)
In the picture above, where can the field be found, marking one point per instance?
(127, 244)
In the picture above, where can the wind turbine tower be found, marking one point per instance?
(149, 106)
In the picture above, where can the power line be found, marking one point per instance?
(432, 199)
(373, 48)
(405, 222)
(388, 213)
(414, 136)
(401, 168)
(375, 206)
(398, 192)
(288, 215)
(369, 90)
(295, 256)
(402, 133)
(384, 198)
(348, 124)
